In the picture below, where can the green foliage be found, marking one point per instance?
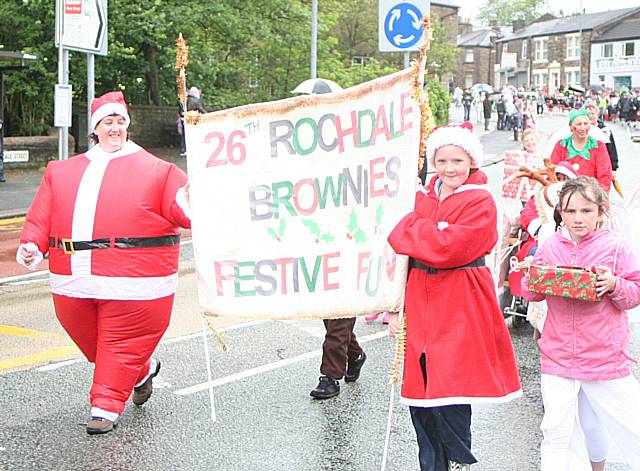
(504, 11)
(241, 52)
(439, 100)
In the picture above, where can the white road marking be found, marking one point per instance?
(60, 364)
(268, 367)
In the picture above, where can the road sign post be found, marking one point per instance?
(400, 24)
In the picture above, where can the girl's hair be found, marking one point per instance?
(528, 132)
(588, 188)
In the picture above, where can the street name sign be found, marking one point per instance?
(400, 24)
(12, 156)
(85, 26)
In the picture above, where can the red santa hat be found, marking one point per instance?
(460, 135)
(566, 169)
(111, 103)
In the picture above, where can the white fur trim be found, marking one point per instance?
(181, 199)
(105, 414)
(457, 136)
(534, 225)
(107, 110)
(442, 225)
(113, 287)
(448, 401)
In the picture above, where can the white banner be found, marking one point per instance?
(292, 202)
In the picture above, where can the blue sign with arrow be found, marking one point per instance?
(400, 24)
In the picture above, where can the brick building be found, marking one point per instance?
(476, 54)
(446, 12)
(549, 54)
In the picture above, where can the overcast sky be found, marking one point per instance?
(469, 8)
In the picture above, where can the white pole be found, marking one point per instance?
(205, 331)
(91, 92)
(60, 19)
(385, 451)
(314, 38)
(407, 62)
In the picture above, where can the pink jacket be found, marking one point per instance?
(588, 340)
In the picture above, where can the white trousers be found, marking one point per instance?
(607, 408)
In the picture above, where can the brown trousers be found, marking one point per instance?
(340, 346)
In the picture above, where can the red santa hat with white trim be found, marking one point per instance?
(111, 103)
(460, 135)
(566, 169)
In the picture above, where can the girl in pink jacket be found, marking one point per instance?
(584, 348)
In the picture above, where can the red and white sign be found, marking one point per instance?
(73, 7)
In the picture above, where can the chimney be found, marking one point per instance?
(464, 28)
(518, 24)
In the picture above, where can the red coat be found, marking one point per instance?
(598, 166)
(453, 316)
(96, 195)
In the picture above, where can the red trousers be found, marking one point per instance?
(119, 336)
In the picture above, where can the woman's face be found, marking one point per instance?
(580, 127)
(530, 143)
(111, 132)
(452, 166)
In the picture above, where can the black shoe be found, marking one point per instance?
(354, 367)
(142, 393)
(326, 388)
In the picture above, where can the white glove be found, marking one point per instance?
(30, 252)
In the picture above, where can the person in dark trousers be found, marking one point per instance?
(342, 356)
(180, 129)
(487, 104)
(2, 179)
(467, 99)
(502, 112)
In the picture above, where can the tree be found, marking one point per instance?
(502, 12)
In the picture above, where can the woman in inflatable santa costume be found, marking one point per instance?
(458, 348)
(109, 219)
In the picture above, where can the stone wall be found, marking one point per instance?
(41, 149)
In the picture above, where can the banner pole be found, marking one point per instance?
(205, 330)
(385, 452)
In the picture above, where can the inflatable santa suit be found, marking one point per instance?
(109, 219)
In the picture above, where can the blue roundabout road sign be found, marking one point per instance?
(402, 25)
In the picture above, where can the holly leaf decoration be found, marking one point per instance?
(327, 237)
(379, 215)
(360, 236)
(353, 221)
(272, 232)
(313, 226)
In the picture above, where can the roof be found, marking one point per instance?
(480, 37)
(445, 3)
(569, 24)
(626, 29)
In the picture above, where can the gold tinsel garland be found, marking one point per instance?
(427, 123)
(182, 59)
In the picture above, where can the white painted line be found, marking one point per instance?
(268, 367)
(60, 364)
(208, 333)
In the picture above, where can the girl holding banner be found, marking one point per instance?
(458, 348)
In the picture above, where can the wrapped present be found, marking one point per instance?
(565, 281)
(518, 188)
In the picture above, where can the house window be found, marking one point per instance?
(607, 50)
(469, 56)
(573, 46)
(541, 50)
(629, 49)
(524, 49)
(468, 80)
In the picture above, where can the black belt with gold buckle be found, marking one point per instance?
(70, 246)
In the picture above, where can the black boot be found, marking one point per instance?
(326, 388)
(354, 367)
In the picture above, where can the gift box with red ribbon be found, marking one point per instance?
(565, 281)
